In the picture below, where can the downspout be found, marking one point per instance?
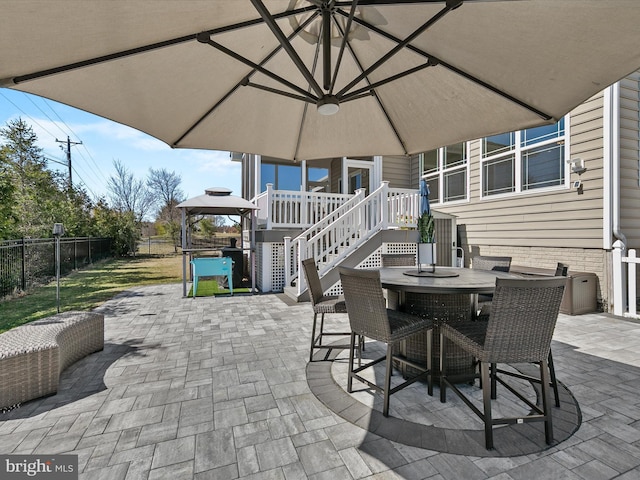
(614, 147)
(617, 302)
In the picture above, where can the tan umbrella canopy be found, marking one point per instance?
(305, 79)
(215, 201)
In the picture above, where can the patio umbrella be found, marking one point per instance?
(425, 208)
(305, 79)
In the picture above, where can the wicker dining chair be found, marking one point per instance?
(500, 264)
(369, 317)
(519, 330)
(562, 270)
(482, 262)
(398, 259)
(322, 304)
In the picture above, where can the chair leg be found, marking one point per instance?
(321, 329)
(387, 380)
(494, 382)
(554, 382)
(546, 401)
(486, 399)
(350, 374)
(313, 336)
(443, 370)
(430, 362)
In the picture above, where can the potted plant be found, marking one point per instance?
(426, 230)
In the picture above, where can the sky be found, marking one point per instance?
(104, 141)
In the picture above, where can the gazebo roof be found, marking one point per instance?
(217, 201)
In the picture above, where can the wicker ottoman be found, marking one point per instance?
(32, 356)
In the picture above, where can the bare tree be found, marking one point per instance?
(126, 194)
(165, 188)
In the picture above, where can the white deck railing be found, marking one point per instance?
(333, 239)
(295, 209)
(625, 296)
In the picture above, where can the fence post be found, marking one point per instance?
(631, 296)
(24, 266)
(619, 286)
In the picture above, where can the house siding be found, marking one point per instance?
(541, 228)
(397, 171)
(629, 159)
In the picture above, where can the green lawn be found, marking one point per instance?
(88, 288)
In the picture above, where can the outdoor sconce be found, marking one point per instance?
(577, 166)
(58, 231)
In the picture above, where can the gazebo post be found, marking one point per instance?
(184, 253)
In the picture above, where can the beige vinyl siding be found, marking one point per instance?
(397, 171)
(629, 159)
(554, 218)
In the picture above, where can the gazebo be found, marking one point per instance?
(215, 201)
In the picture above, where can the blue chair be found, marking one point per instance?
(212, 267)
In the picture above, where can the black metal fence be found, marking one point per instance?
(25, 263)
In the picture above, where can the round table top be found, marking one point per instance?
(467, 280)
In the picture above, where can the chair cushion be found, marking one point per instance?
(330, 304)
(404, 324)
(468, 335)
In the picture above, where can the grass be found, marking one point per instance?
(206, 288)
(88, 288)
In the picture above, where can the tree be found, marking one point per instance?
(33, 198)
(165, 186)
(126, 194)
(121, 227)
(8, 218)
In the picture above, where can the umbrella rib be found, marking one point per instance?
(454, 69)
(244, 81)
(343, 44)
(277, 92)
(145, 48)
(377, 98)
(361, 91)
(403, 43)
(305, 109)
(280, 36)
(204, 38)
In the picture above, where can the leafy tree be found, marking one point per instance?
(8, 218)
(121, 227)
(34, 197)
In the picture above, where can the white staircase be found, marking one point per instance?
(349, 234)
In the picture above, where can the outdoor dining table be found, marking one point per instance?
(447, 295)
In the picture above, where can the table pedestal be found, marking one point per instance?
(441, 308)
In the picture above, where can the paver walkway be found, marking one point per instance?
(217, 388)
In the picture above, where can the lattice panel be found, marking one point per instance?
(277, 267)
(375, 260)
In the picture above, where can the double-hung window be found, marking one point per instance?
(525, 160)
(445, 170)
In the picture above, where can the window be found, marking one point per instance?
(445, 170)
(317, 179)
(525, 160)
(283, 177)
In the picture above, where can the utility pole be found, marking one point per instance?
(68, 152)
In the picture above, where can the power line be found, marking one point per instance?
(97, 168)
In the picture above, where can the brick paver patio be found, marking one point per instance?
(217, 388)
